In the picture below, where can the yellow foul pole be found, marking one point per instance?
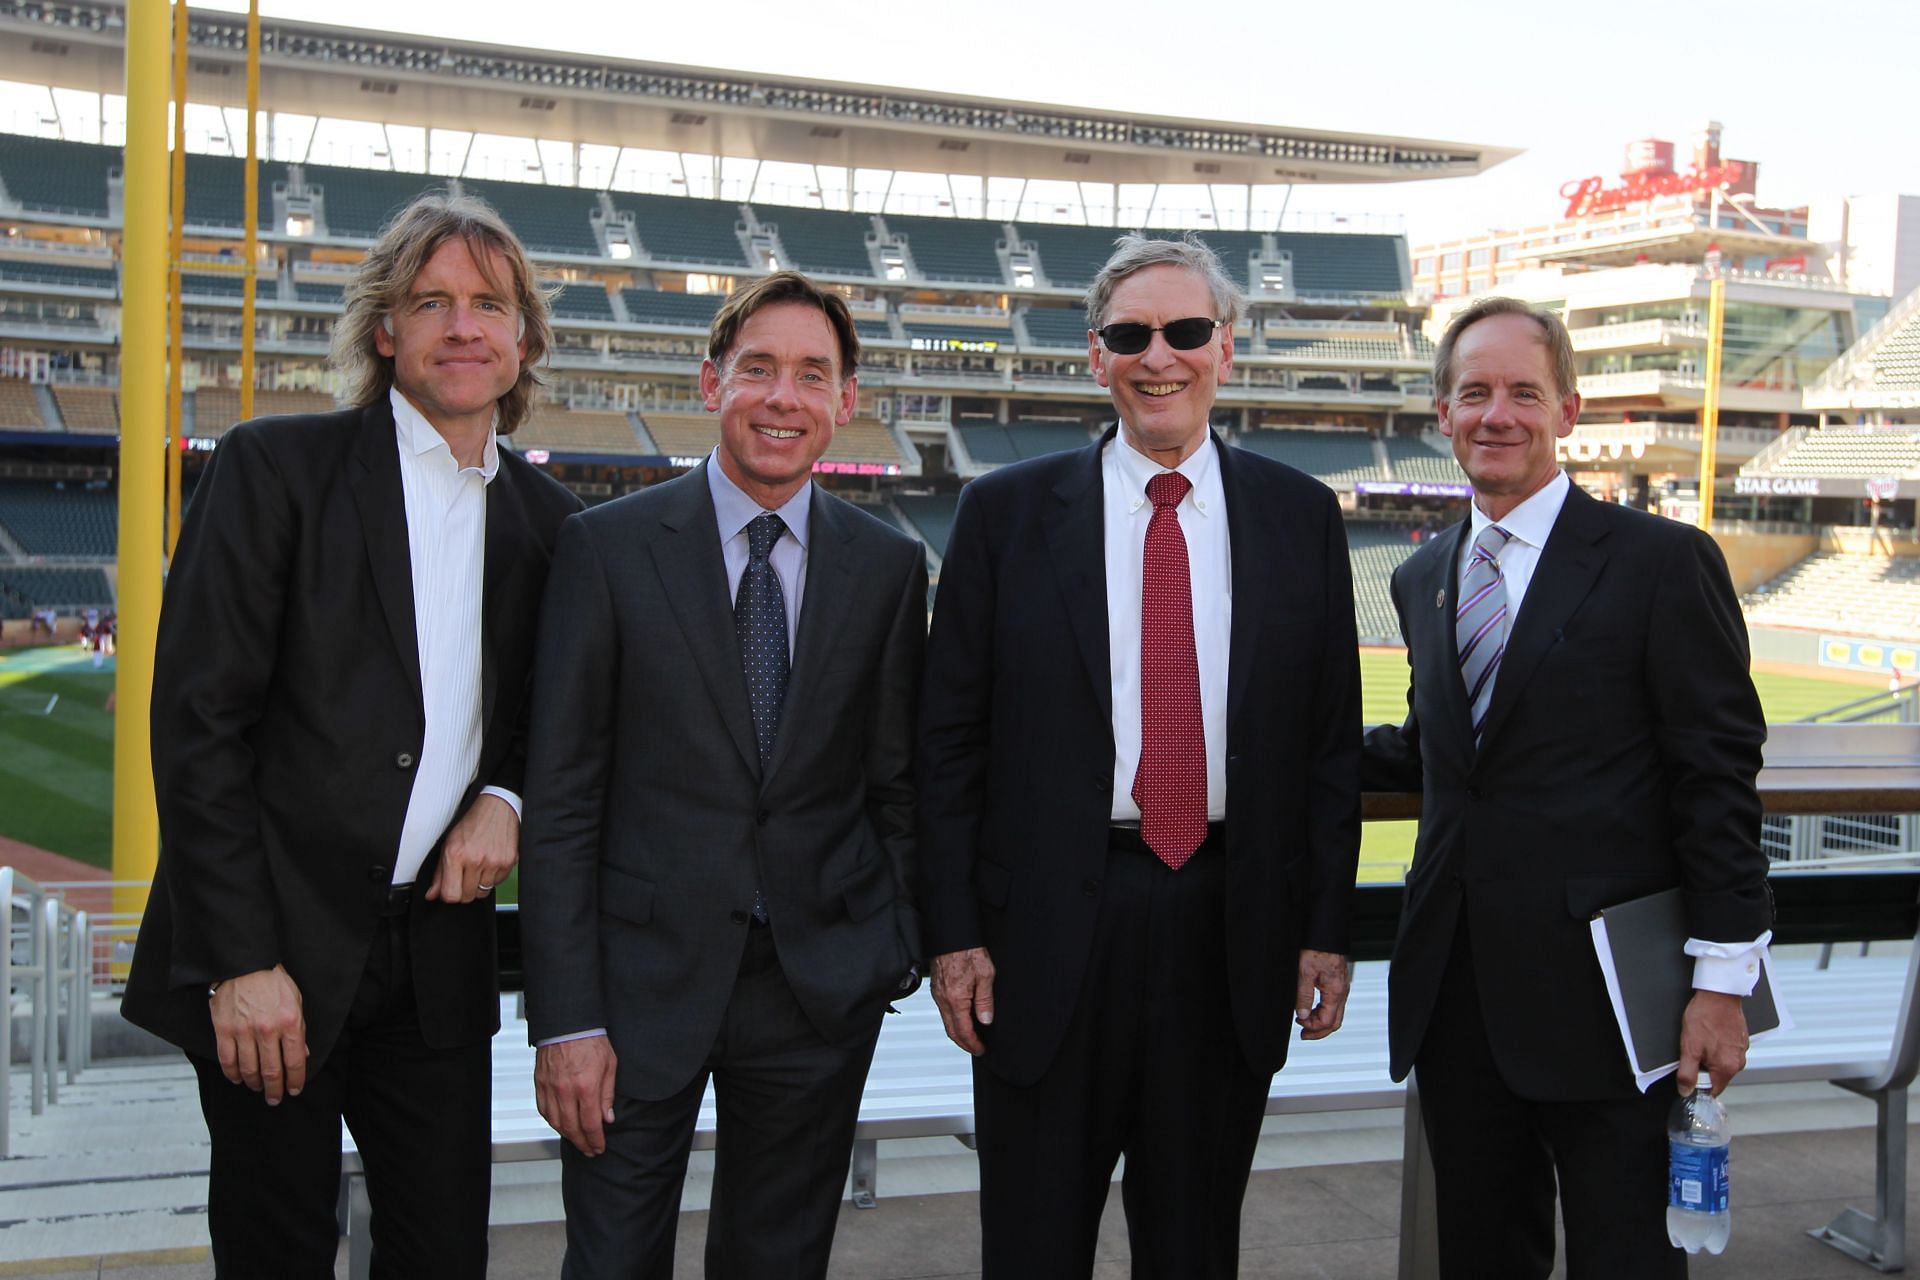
(250, 255)
(176, 383)
(1710, 409)
(143, 430)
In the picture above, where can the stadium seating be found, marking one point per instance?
(1232, 248)
(57, 177)
(1336, 350)
(684, 435)
(547, 219)
(685, 229)
(864, 440)
(583, 302)
(88, 409)
(359, 202)
(1376, 551)
(19, 407)
(822, 240)
(217, 191)
(1415, 460)
(1062, 327)
(993, 443)
(222, 285)
(1329, 262)
(874, 331)
(23, 588)
(52, 271)
(683, 310)
(1861, 595)
(960, 249)
(562, 430)
(58, 520)
(325, 294)
(1070, 256)
(217, 408)
(1337, 458)
(1850, 451)
(931, 514)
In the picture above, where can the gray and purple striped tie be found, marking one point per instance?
(1480, 626)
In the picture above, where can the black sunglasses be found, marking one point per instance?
(1130, 339)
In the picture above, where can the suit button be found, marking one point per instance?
(1090, 887)
(379, 871)
(762, 817)
(1103, 782)
(740, 917)
(404, 760)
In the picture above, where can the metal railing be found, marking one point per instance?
(47, 962)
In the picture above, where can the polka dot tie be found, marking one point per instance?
(1170, 785)
(760, 625)
(1480, 625)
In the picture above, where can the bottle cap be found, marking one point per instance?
(1705, 1081)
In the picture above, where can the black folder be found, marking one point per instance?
(1641, 948)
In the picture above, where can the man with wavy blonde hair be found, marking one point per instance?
(338, 734)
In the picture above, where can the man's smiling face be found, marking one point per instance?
(1505, 411)
(1164, 397)
(779, 397)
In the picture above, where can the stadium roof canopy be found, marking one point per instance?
(416, 80)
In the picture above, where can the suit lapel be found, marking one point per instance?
(830, 556)
(1569, 565)
(695, 580)
(1255, 549)
(375, 480)
(506, 533)
(1436, 597)
(1076, 539)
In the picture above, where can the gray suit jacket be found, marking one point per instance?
(648, 819)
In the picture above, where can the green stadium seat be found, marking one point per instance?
(49, 176)
(682, 310)
(685, 229)
(548, 219)
(821, 240)
(360, 202)
(959, 249)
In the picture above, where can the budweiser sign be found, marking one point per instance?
(1593, 195)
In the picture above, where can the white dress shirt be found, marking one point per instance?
(734, 511)
(1124, 472)
(446, 543)
(1731, 968)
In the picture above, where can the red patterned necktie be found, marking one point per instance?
(1170, 785)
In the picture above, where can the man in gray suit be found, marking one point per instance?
(717, 860)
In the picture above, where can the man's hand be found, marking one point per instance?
(1713, 1037)
(963, 988)
(479, 852)
(573, 1087)
(260, 1033)
(1332, 976)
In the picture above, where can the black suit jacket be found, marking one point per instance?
(648, 817)
(1017, 750)
(287, 717)
(1618, 759)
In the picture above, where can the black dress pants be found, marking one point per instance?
(787, 1101)
(1151, 1069)
(1497, 1157)
(419, 1116)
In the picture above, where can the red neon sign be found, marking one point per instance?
(1592, 195)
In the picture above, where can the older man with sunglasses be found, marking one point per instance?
(1139, 795)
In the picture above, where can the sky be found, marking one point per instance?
(1821, 96)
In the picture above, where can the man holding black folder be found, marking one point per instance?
(1584, 729)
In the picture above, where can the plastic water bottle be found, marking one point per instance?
(1697, 1137)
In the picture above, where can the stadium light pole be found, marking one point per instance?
(1710, 408)
(176, 306)
(143, 437)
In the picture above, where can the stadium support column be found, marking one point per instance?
(143, 438)
(1710, 407)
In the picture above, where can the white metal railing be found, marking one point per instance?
(47, 960)
(1784, 444)
(1635, 333)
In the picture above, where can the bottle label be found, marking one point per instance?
(1697, 1178)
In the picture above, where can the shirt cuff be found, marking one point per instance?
(577, 1035)
(1731, 968)
(513, 801)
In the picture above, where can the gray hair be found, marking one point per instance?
(1133, 252)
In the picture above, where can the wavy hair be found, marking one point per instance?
(396, 260)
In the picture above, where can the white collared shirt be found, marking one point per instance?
(1124, 472)
(1732, 968)
(734, 511)
(446, 542)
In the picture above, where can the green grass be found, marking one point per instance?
(56, 765)
(56, 769)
